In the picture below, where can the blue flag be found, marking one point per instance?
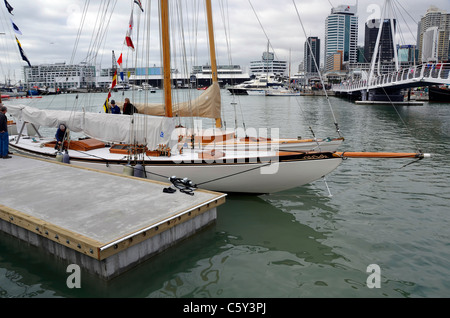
(8, 7)
(16, 28)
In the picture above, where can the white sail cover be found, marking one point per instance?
(140, 129)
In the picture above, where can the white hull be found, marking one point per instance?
(229, 174)
(256, 92)
(283, 93)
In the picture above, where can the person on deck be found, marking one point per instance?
(4, 137)
(114, 108)
(61, 134)
(128, 108)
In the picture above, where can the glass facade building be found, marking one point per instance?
(341, 34)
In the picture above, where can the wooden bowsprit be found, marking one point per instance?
(393, 155)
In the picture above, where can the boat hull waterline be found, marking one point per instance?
(262, 175)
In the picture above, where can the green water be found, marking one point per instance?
(314, 241)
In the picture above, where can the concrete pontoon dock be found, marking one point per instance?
(106, 223)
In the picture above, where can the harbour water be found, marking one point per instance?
(308, 242)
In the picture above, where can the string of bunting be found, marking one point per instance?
(129, 43)
(17, 30)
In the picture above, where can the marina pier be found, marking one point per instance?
(104, 222)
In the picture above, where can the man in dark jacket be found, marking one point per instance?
(61, 134)
(4, 137)
(128, 108)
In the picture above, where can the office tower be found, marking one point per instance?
(434, 32)
(341, 34)
(312, 55)
(386, 51)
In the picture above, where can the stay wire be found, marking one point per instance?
(317, 67)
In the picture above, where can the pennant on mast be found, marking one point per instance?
(106, 106)
(119, 61)
(22, 53)
(128, 40)
(8, 7)
(15, 27)
(138, 2)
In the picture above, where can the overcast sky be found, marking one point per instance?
(49, 29)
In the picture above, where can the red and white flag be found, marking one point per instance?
(119, 61)
(128, 40)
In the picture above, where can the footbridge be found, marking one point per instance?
(388, 87)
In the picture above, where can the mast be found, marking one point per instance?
(165, 39)
(212, 51)
(389, 14)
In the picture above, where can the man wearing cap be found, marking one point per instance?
(114, 108)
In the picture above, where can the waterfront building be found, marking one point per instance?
(434, 35)
(341, 34)
(269, 65)
(200, 76)
(227, 75)
(60, 76)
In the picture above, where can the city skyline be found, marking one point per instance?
(49, 29)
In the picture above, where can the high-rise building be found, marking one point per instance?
(341, 34)
(312, 55)
(434, 34)
(386, 51)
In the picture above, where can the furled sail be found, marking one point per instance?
(140, 129)
(207, 105)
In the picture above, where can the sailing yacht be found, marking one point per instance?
(151, 146)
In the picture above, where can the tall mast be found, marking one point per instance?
(165, 38)
(212, 50)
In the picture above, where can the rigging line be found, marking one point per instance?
(389, 98)
(105, 33)
(93, 31)
(320, 74)
(404, 20)
(184, 62)
(409, 16)
(264, 31)
(136, 44)
(80, 29)
(401, 119)
(96, 41)
(227, 29)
